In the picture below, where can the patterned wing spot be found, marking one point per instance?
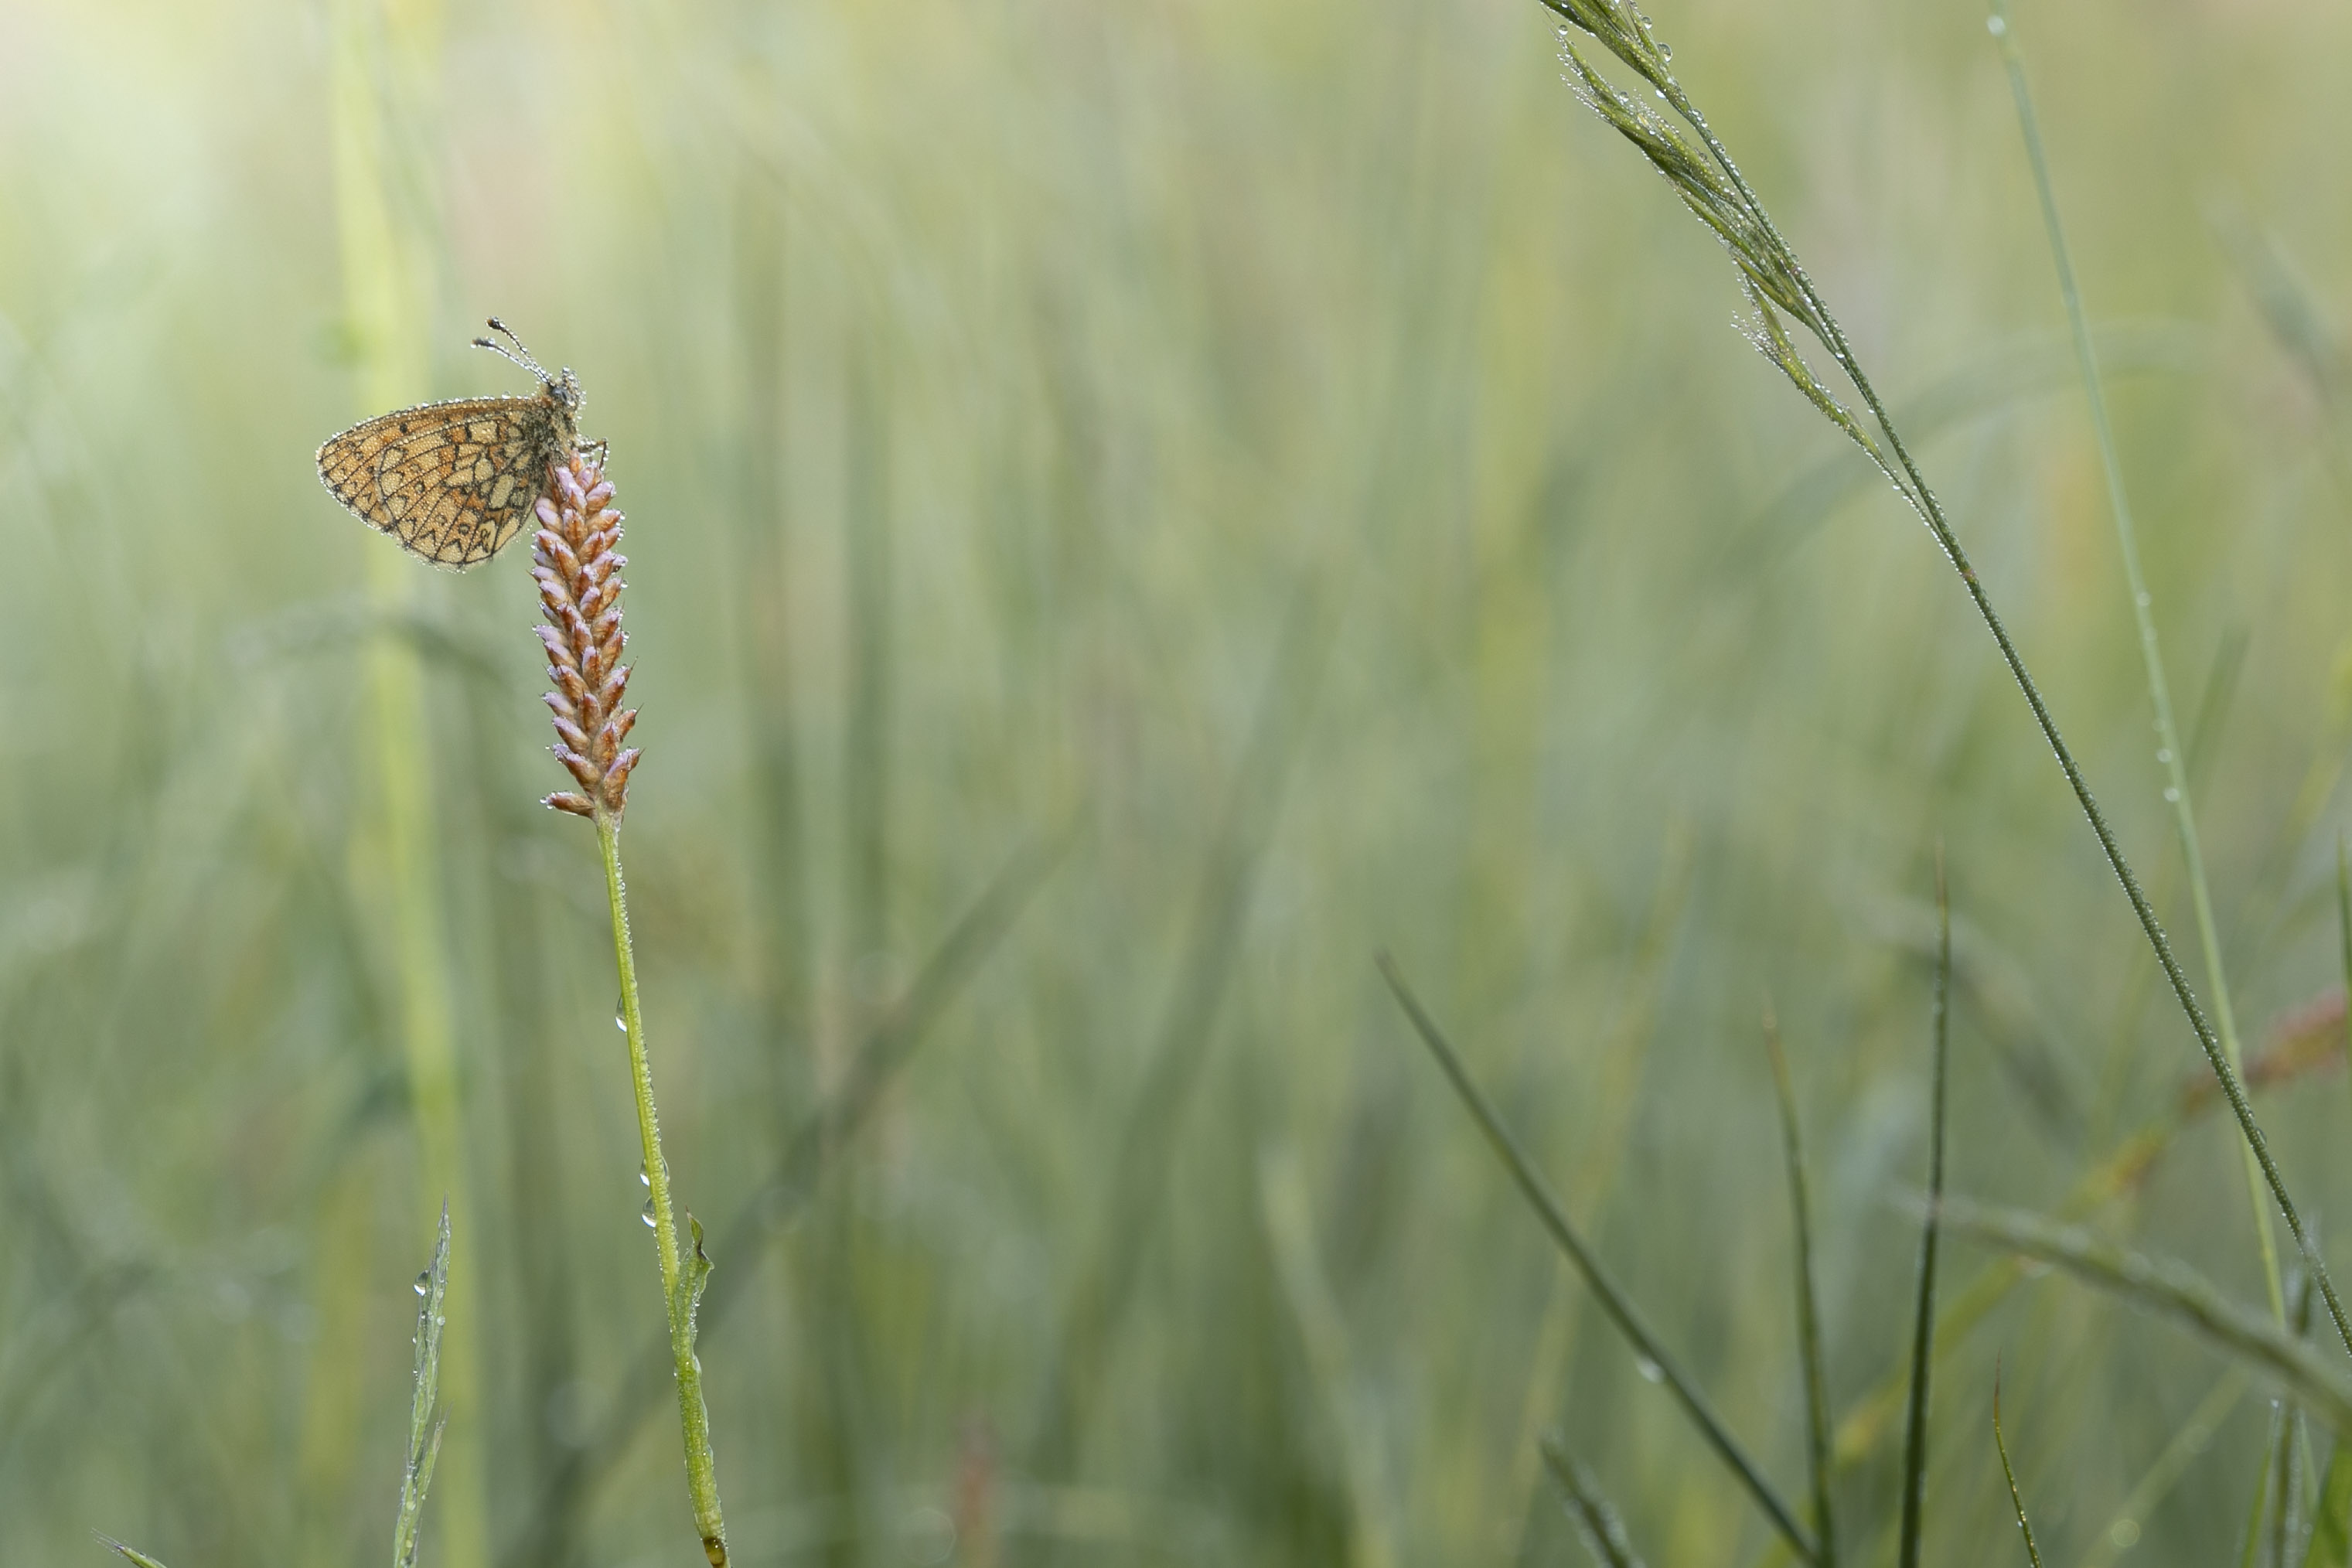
(453, 483)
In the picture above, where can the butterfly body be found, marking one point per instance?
(455, 482)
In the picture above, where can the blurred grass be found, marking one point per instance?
(1128, 330)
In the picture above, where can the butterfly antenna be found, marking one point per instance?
(522, 356)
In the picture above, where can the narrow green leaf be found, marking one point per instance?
(424, 1425)
(1809, 1320)
(1923, 1333)
(2000, 1447)
(1613, 1301)
(1603, 1531)
(130, 1554)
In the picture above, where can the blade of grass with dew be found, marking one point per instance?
(426, 1419)
(1923, 1331)
(2009, 1474)
(2169, 1288)
(1613, 1301)
(769, 1212)
(1808, 1322)
(127, 1553)
(1597, 1524)
(1711, 185)
(2170, 753)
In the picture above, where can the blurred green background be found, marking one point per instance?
(1164, 499)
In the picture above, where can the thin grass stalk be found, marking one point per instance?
(1613, 1301)
(810, 1153)
(1808, 1322)
(1923, 1333)
(1596, 1522)
(1716, 190)
(681, 1290)
(2169, 750)
(2009, 1474)
(576, 561)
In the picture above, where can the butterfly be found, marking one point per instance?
(455, 481)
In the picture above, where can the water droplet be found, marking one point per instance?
(649, 1215)
(643, 1179)
(2164, 756)
(2142, 600)
(2123, 1533)
(1651, 1371)
(1998, 27)
(620, 1023)
(1666, 51)
(425, 1281)
(2171, 795)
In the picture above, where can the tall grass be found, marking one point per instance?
(1628, 703)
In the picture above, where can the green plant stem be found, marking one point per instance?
(1923, 1333)
(1613, 1301)
(694, 1418)
(2170, 750)
(2000, 1447)
(1809, 1321)
(1913, 485)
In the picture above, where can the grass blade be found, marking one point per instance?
(1923, 1333)
(426, 1422)
(2172, 753)
(2169, 1288)
(1716, 190)
(1808, 1322)
(1596, 1522)
(2000, 1447)
(1613, 1301)
(127, 1553)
